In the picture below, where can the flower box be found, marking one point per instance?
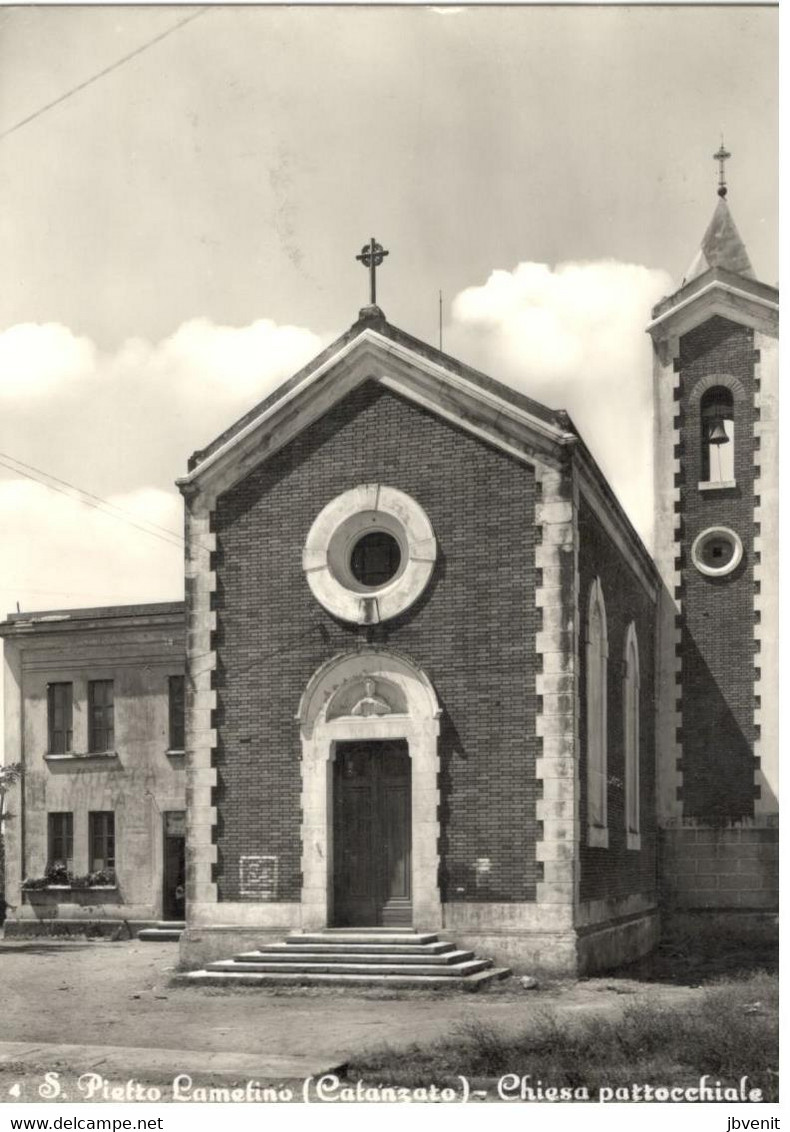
(71, 888)
(58, 879)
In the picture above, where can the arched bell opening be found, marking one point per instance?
(717, 419)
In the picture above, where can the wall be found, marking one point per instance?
(717, 643)
(613, 874)
(720, 868)
(719, 705)
(473, 632)
(766, 574)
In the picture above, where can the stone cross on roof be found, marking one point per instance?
(372, 256)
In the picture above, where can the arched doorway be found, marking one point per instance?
(370, 827)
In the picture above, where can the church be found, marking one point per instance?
(435, 683)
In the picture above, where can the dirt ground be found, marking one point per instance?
(108, 1008)
(118, 994)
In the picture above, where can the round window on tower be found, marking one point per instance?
(717, 552)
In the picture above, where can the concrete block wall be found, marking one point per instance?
(734, 867)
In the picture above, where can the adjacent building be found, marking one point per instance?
(94, 710)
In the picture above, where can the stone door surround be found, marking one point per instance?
(364, 695)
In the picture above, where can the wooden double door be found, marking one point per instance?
(372, 834)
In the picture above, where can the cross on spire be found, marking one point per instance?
(721, 156)
(372, 256)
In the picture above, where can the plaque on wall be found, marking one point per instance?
(258, 877)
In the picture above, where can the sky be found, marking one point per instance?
(178, 236)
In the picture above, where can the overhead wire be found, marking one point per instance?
(88, 494)
(96, 501)
(19, 467)
(99, 503)
(105, 71)
(89, 500)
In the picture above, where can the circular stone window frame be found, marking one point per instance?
(717, 571)
(326, 557)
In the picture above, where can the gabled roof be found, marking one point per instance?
(720, 292)
(721, 246)
(342, 346)
(373, 349)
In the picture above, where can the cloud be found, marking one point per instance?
(59, 553)
(113, 421)
(573, 336)
(236, 364)
(120, 425)
(37, 358)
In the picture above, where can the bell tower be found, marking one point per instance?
(715, 384)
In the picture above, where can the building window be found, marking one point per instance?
(375, 558)
(369, 554)
(102, 840)
(101, 716)
(631, 737)
(717, 425)
(59, 700)
(716, 552)
(175, 700)
(597, 654)
(60, 849)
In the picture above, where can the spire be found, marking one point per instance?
(722, 245)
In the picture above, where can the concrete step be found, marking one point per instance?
(470, 982)
(370, 948)
(287, 954)
(421, 950)
(160, 935)
(368, 928)
(482, 978)
(394, 957)
(450, 970)
(377, 935)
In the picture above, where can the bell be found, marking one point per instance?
(717, 433)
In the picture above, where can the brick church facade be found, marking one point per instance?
(474, 650)
(435, 680)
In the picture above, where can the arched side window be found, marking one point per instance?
(597, 656)
(717, 433)
(631, 737)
